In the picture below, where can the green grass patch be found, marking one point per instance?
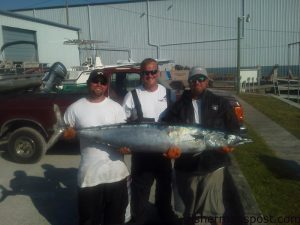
(282, 113)
(274, 185)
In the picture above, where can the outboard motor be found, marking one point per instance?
(57, 73)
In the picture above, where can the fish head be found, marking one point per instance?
(181, 133)
(187, 138)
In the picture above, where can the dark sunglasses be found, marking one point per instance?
(197, 78)
(147, 73)
(100, 79)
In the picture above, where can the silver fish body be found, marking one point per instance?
(158, 137)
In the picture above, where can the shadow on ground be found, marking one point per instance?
(281, 168)
(54, 195)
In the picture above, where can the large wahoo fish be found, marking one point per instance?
(158, 137)
(152, 137)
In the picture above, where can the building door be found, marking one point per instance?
(19, 44)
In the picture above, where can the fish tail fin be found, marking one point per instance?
(59, 127)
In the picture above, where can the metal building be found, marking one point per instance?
(24, 38)
(192, 32)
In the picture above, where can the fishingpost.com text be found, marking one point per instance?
(249, 219)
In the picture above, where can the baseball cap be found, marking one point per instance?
(197, 70)
(97, 76)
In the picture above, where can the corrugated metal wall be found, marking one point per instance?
(274, 24)
(49, 39)
(192, 32)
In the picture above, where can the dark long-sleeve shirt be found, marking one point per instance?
(216, 113)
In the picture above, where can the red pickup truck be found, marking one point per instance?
(27, 117)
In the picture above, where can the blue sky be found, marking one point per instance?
(23, 4)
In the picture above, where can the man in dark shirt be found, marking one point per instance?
(200, 176)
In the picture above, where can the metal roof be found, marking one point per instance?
(84, 4)
(36, 20)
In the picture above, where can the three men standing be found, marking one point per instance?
(102, 172)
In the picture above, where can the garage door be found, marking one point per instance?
(19, 44)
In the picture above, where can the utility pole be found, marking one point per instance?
(238, 76)
(67, 12)
(241, 20)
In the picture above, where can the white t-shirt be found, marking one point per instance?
(99, 164)
(197, 113)
(153, 104)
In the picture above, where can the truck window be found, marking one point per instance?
(121, 83)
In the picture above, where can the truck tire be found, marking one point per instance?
(26, 145)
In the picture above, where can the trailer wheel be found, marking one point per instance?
(26, 145)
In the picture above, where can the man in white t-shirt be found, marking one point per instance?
(146, 103)
(102, 196)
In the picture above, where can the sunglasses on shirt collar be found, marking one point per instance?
(200, 79)
(147, 73)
